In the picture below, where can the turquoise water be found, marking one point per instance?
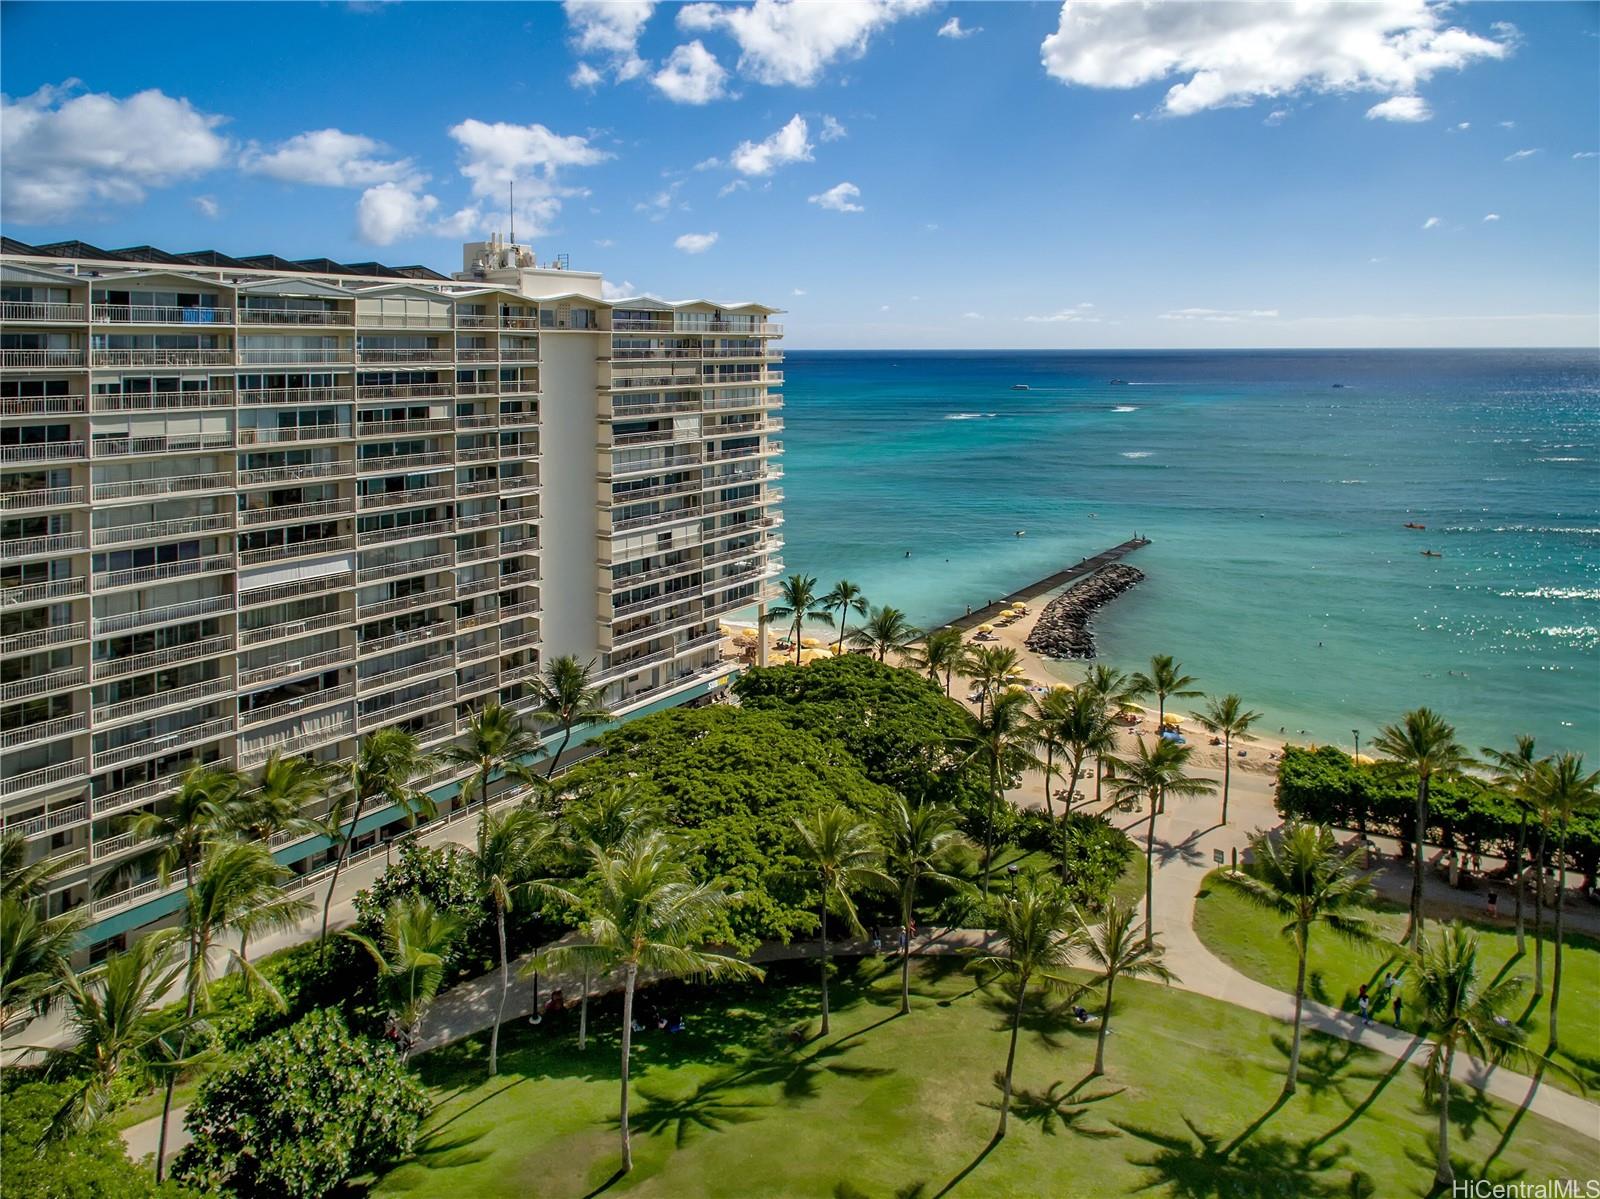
(1280, 567)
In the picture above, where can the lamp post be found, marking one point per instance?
(1361, 808)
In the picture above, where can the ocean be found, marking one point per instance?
(1275, 487)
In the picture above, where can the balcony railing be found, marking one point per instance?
(136, 488)
(405, 356)
(295, 395)
(162, 701)
(293, 666)
(140, 575)
(27, 312)
(387, 428)
(441, 663)
(405, 603)
(251, 597)
(206, 357)
(150, 746)
(51, 544)
(43, 451)
(19, 643)
(296, 474)
(432, 528)
(296, 549)
(157, 530)
(294, 356)
(39, 593)
(268, 436)
(398, 463)
(116, 668)
(152, 401)
(330, 727)
(404, 391)
(34, 779)
(105, 626)
(289, 316)
(41, 359)
(294, 628)
(49, 822)
(417, 636)
(407, 566)
(300, 703)
(399, 499)
(158, 314)
(44, 730)
(281, 513)
(43, 405)
(113, 447)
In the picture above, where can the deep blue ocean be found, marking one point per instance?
(1280, 566)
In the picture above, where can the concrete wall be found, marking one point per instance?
(569, 521)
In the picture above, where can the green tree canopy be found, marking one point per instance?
(85, 1165)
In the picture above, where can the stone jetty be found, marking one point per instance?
(1063, 628)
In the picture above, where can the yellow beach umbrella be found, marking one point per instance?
(810, 642)
(747, 634)
(1130, 707)
(986, 628)
(1171, 720)
(1363, 760)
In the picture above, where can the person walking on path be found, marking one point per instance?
(1366, 1005)
(1397, 1009)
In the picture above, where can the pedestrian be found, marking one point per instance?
(1365, 1003)
(1397, 1009)
(1493, 898)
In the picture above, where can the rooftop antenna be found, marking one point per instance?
(513, 212)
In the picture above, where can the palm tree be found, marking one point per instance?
(38, 952)
(799, 602)
(417, 938)
(1229, 719)
(1148, 775)
(1513, 769)
(848, 598)
(989, 666)
(116, 1021)
(840, 848)
(496, 742)
(1084, 727)
(940, 655)
(1165, 680)
(603, 824)
(1115, 688)
(1048, 710)
(1001, 740)
(276, 800)
(648, 915)
(237, 889)
(22, 881)
(1039, 935)
(386, 762)
(1301, 874)
(1561, 788)
(1426, 745)
(205, 808)
(1461, 1010)
(885, 630)
(511, 847)
(1118, 947)
(569, 697)
(916, 839)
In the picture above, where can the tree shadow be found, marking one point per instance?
(1188, 851)
(1327, 1066)
(476, 1103)
(1248, 1167)
(1516, 1117)
(845, 1189)
(1427, 1159)
(960, 1176)
(705, 1108)
(1059, 1108)
(1360, 1109)
(438, 1153)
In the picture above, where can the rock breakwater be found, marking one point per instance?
(1063, 629)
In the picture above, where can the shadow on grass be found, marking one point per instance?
(1360, 1109)
(961, 1175)
(1248, 1167)
(1059, 1107)
(1516, 1117)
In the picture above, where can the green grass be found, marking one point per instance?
(889, 1107)
(1248, 938)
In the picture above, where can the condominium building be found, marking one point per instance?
(250, 505)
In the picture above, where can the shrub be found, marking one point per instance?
(444, 876)
(300, 1112)
(87, 1165)
(1097, 851)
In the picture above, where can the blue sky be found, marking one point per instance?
(894, 172)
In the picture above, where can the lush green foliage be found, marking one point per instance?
(86, 1165)
(301, 1112)
(732, 782)
(1097, 851)
(446, 877)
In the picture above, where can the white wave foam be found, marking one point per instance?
(1559, 459)
(1562, 593)
(1136, 453)
(1124, 408)
(1350, 482)
(971, 415)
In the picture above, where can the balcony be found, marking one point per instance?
(116, 668)
(151, 746)
(157, 530)
(293, 434)
(41, 360)
(377, 717)
(50, 776)
(283, 513)
(519, 418)
(154, 401)
(50, 545)
(206, 357)
(155, 314)
(388, 428)
(44, 730)
(289, 316)
(122, 447)
(651, 466)
(43, 451)
(626, 382)
(104, 626)
(49, 822)
(290, 667)
(301, 473)
(141, 793)
(407, 566)
(139, 488)
(295, 395)
(294, 707)
(652, 519)
(331, 727)
(294, 628)
(401, 499)
(25, 312)
(297, 549)
(417, 636)
(141, 575)
(481, 487)
(432, 528)
(416, 672)
(398, 463)
(43, 405)
(297, 356)
(42, 593)
(619, 670)
(405, 603)
(404, 391)
(405, 357)
(162, 701)
(649, 411)
(58, 634)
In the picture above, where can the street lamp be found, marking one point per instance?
(1361, 808)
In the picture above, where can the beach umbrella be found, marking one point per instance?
(810, 642)
(1171, 720)
(1128, 707)
(747, 634)
(1363, 760)
(986, 628)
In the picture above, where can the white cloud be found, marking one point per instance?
(583, 75)
(605, 243)
(610, 29)
(1587, 154)
(1276, 117)
(1463, 126)
(733, 185)
(207, 207)
(326, 158)
(1410, 109)
(691, 75)
(841, 197)
(788, 42)
(663, 202)
(1077, 315)
(832, 130)
(1508, 124)
(1235, 53)
(1432, 222)
(971, 316)
(954, 29)
(493, 155)
(799, 291)
(390, 211)
(60, 152)
(617, 291)
(1491, 216)
(1223, 315)
(696, 243)
(883, 308)
(792, 143)
(1519, 155)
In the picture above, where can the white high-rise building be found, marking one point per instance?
(250, 505)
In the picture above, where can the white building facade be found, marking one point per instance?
(250, 505)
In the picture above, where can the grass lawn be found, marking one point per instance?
(897, 1107)
(1247, 938)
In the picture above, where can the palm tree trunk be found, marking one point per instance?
(1302, 944)
(1105, 1026)
(505, 985)
(183, 1040)
(1066, 817)
(1099, 773)
(1444, 1175)
(988, 824)
(905, 956)
(1538, 916)
(797, 621)
(1011, 1057)
(1555, 968)
(1049, 769)
(1227, 774)
(1150, 878)
(1418, 852)
(566, 737)
(629, 976)
(1516, 878)
(844, 612)
(1161, 725)
(583, 1012)
(483, 809)
(824, 964)
(947, 673)
(338, 865)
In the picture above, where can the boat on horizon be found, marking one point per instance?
(1119, 383)
(1020, 387)
(1432, 554)
(1411, 524)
